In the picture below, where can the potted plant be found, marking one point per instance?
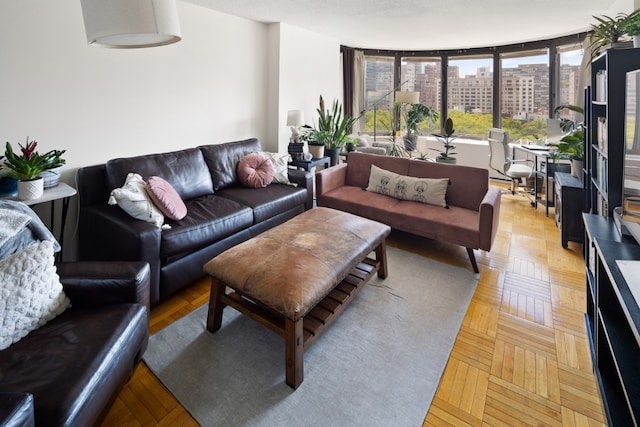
(52, 172)
(609, 30)
(413, 117)
(632, 27)
(26, 168)
(445, 138)
(572, 146)
(333, 128)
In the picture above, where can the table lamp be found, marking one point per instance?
(295, 119)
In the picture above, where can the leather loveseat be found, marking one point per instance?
(69, 371)
(470, 218)
(221, 212)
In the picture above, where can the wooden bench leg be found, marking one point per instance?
(294, 352)
(216, 306)
(381, 256)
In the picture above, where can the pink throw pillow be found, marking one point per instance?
(166, 198)
(255, 170)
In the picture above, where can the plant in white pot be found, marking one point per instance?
(26, 168)
(53, 169)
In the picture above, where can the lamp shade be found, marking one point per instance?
(408, 97)
(295, 118)
(131, 23)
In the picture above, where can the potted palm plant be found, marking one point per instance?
(26, 168)
(609, 31)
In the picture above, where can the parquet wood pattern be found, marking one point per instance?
(521, 357)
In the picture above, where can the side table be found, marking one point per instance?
(307, 165)
(569, 199)
(62, 192)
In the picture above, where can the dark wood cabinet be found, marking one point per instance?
(569, 194)
(612, 320)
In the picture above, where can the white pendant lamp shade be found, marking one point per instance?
(408, 97)
(131, 23)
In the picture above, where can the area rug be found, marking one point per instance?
(378, 365)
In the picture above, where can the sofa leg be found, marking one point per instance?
(472, 258)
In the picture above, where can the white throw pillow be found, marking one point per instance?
(132, 197)
(30, 292)
(281, 166)
(431, 191)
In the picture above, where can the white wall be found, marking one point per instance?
(213, 86)
(307, 66)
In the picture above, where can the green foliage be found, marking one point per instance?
(30, 163)
(417, 114)
(573, 145)
(333, 127)
(445, 138)
(609, 30)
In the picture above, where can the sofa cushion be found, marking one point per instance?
(431, 191)
(75, 364)
(185, 170)
(255, 170)
(133, 198)
(281, 166)
(30, 292)
(211, 218)
(266, 202)
(166, 198)
(359, 166)
(222, 160)
(468, 185)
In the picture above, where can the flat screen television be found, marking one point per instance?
(631, 176)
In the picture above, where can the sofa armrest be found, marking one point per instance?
(93, 283)
(489, 217)
(304, 180)
(330, 178)
(107, 233)
(16, 410)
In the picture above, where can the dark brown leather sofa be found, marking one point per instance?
(221, 212)
(69, 371)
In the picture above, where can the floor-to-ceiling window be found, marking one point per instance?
(524, 106)
(470, 95)
(423, 75)
(379, 82)
(528, 82)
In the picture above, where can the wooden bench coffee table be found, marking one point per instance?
(296, 278)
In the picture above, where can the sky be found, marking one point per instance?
(469, 66)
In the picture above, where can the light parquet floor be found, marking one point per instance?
(521, 357)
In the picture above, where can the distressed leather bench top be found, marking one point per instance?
(293, 266)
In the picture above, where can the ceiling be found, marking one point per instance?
(427, 24)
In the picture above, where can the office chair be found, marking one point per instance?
(501, 161)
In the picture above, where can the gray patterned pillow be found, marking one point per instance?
(431, 191)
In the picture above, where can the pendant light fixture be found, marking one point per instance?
(130, 24)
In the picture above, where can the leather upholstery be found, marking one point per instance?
(223, 159)
(306, 246)
(219, 211)
(185, 170)
(76, 364)
(16, 410)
